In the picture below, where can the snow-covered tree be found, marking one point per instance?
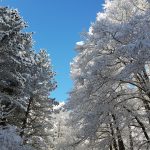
(110, 100)
(16, 60)
(64, 136)
(26, 81)
(36, 122)
(10, 139)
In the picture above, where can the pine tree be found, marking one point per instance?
(37, 118)
(16, 60)
(26, 81)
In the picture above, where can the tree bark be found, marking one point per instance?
(130, 138)
(24, 124)
(119, 137)
(114, 139)
(143, 81)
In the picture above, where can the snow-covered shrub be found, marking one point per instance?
(10, 139)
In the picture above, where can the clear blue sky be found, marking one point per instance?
(57, 25)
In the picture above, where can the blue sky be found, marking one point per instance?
(57, 25)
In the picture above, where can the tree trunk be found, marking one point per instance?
(110, 147)
(120, 140)
(144, 80)
(114, 139)
(147, 108)
(24, 124)
(130, 138)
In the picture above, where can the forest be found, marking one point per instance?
(108, 107)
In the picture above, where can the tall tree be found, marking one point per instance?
(16, 60)
(37, 118)
(26, 81)
(110, 74)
